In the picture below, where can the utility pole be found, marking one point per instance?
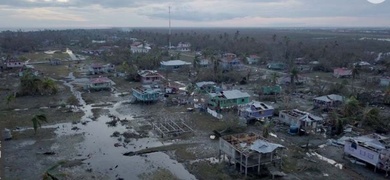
(169, 33)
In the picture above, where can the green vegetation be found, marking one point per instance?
(37, 120)
(31, 84)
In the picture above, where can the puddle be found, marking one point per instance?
(104, 152)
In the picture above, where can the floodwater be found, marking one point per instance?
(104, 152)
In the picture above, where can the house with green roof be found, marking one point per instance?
(228, 99)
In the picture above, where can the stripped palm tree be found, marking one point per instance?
(37, 119)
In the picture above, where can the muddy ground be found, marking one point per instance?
(88, 141)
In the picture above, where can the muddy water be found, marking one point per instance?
(98, 145)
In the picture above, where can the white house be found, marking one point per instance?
(252, 59)
(183, 46)
(139, 47)
(14, 64)
(299, 118)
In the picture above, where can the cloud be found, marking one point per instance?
(196, 12)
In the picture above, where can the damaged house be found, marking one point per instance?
(299, 118)
(99, 83)
(146, 93)
(150, 76)
(256, 111)
(328, 101)
(372, 149)
(228, 99)
(251, 152)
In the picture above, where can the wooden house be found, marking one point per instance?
(256, 111)
(229, 61)
(328, 101)
(150, 76)
(342, 72)
(99, 83)
(299, 118)
(228, 99)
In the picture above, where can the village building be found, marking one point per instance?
(174, 64)
(301, 119)
(328, 101)
(228, 99)
(256, 110)
(204, 63)
(150, 76)
(342, 72)
(140, 47)
(14, 64)
(206, 87)
(251, 151)
(253, 59)
(384, 81)
(55, 61)
(183, 47)
(229, 61)
(100, 69)
(270, 90)
(372, 149)
(276, 66)
(146, 93)
(99, 83)
(285, 80)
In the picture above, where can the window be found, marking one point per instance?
(242, 100)
(363, 153)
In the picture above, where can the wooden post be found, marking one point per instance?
(246, 165)
(258, 168)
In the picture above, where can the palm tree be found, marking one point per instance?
(266, 129)
(37, 119)
(370, 116)
(274, 78)
(355, 73)
(9, 99)
(351, 108)
(293, 76)
(49, 86)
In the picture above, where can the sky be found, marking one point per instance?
(193, 13)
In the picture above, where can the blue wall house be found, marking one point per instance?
(256, 111)
(229, 61)
(146, 94)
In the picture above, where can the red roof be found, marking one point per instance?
(100, 80)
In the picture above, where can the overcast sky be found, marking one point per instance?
(193, 13)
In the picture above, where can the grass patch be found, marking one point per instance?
(159, 174)
(206, 170)
(183, 155)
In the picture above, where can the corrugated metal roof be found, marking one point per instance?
(262, 146)
(174, 63)
(234, 94)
